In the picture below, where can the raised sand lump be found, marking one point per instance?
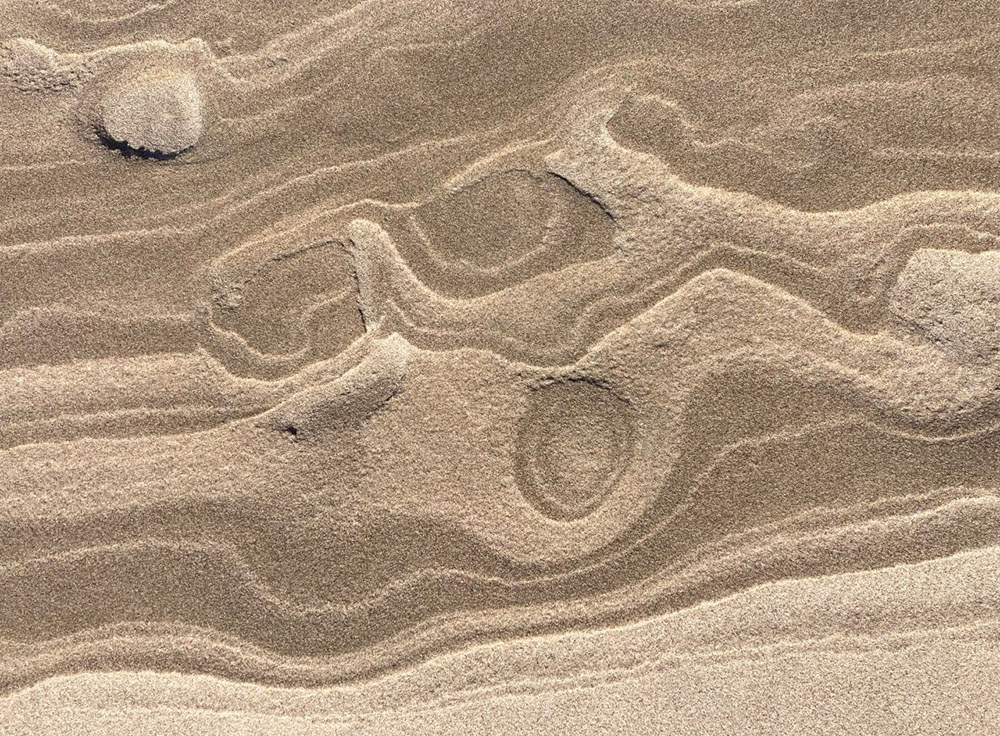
(952, 299)
(153, 115)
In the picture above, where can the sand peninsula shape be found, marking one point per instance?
(152, 116)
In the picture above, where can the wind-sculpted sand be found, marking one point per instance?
(411, 367)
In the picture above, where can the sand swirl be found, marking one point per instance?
(406, 367)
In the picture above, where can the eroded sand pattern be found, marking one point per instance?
(412, 367)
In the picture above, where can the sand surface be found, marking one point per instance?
(500, 367)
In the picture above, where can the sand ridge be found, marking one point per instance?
(408, 367)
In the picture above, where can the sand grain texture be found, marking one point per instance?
(559, 368)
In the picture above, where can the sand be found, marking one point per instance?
(558, 368)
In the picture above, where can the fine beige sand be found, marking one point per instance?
(500, 368)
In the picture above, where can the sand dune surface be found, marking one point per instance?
(559, 368)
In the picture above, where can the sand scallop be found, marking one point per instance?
(153, 116)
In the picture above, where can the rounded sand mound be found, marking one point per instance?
(156, 116)
(951, 298)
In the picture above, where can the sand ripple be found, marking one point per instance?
(426, 368)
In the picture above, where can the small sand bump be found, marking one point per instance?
(952, 299)
(33, 67)
(154, 116)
